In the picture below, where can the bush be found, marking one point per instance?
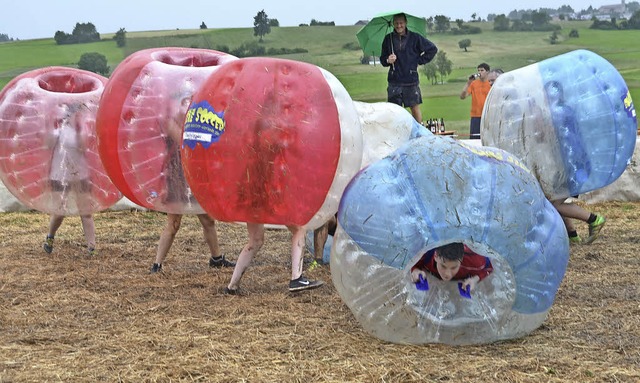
(94, 62)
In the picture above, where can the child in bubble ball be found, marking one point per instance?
(453, 261)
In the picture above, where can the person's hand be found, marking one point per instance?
(392, 58)
(416, 273)
(471, 282)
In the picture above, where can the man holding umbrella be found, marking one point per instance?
(402, 51)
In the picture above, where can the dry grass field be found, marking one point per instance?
(68, 318)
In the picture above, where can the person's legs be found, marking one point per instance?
(54, 224)
(474, 128)
(166, 240)
(571, 210)
(211, 237)
(298, 282)
(256, 240)
(416, 113)
(412, 97)
(89, 229)
(571, 231)
(320, 236)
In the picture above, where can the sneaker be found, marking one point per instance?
(48, 244)
(220, 261)
(91, 252)
(229, 291)
(575, 240)
(157, 267)
(303, 283)
(594, 228)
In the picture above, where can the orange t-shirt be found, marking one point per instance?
(478, 91)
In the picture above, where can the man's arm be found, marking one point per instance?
(428, 51)
(465, 90)
(386, 51)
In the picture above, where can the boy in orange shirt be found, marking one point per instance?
(478, 88)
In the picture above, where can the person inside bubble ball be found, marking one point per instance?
(453, 262)
(178, 193)
(298, 281)
(70, 173)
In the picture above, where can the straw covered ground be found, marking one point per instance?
(68, 318)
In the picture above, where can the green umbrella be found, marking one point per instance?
(371, 35)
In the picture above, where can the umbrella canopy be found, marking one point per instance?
(371, 35)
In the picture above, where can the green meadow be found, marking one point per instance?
(335, 49)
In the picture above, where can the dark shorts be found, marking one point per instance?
(406, 96)
(81, 186)
(474, 128)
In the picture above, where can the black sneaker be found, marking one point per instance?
(303, 283)
(229, 291)
(157, 267)
(220, 261)
(48, 244)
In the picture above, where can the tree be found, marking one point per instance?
(261, 25)
(443, 64)
(203, 25)
(539, 18)
(473, 16)
(634, 21)
(464, 44)
(61, 38)
(121, 37)
(85, 33)
(501, 23)
(274, 23)
(430, 23)
(442, 23)
(431, 72)
(553, 39)
(4, 37)
(94, 62)
(574, 33)
(459, 23)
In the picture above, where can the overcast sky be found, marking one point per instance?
(42, 18)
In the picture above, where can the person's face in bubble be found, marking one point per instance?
(446, 268)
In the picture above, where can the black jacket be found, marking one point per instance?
(411, 50)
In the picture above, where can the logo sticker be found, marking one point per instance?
(628, 105)
(202, 125)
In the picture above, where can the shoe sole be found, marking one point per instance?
(310, 286)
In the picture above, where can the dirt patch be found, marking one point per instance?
(66, 317)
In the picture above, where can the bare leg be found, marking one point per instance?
(89, 229)
(210, 234)
(167, 236)
(297, 246)
(568, 223)
(571, 210)
(54, 224)
(256, 240)
(417, 113)
(319, 239)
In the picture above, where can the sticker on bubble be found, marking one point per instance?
(202, 125)
(628, 105)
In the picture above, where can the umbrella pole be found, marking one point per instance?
(374, 58)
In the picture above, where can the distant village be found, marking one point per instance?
(618, 11)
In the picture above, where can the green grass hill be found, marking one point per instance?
(335, 49)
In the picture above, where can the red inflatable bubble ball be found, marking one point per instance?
(140, 122)
(48, 144)
(271, 141)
